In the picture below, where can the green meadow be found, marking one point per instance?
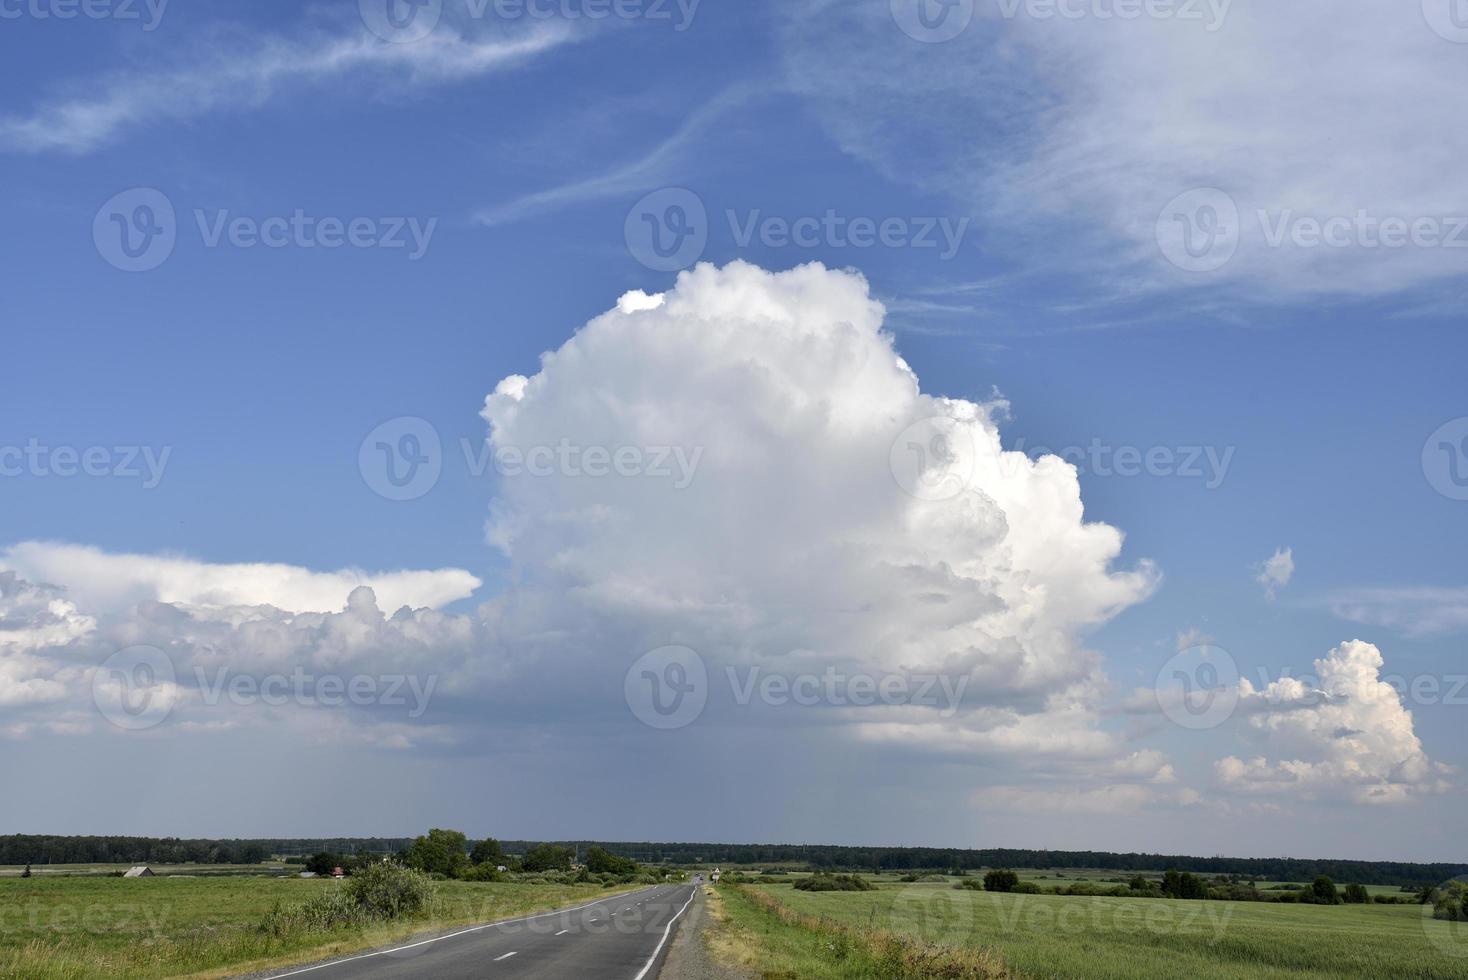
(1052, 936)
(60, 928)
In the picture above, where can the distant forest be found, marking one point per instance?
(42, 850)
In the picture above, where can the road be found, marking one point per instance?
(619, 938)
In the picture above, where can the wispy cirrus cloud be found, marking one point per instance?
(660, 164)
(1414, 610)
(234, 73)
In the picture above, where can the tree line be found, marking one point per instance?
(41, 850)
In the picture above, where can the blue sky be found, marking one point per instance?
(528, 146)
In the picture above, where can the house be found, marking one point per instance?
(141, 871)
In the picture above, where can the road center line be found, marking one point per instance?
(505, 957)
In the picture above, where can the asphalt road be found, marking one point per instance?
(620, 938)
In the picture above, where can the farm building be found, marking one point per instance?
(141, 871)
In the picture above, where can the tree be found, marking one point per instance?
(27, 872)
(548, 857)
(1324, 891)
(1357, 894)
(1172, 885)
(601, 861)
(1191, 886)
(444, 852)
(324, 863)
(488, 851)
(1000, 880)
(1139, 884)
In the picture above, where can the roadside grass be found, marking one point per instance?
(1113, 938)
(761, 935)
(147, 928)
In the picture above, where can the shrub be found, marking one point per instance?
(1027, 888)
(1452, 902)
(387, 892)
(1323, 891)
(834, 883)
(1000, 880)
(377, 893)
(1356, 894)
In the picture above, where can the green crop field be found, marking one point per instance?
(75, 927)
(1053, 936)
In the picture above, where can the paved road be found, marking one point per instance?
(621, 938)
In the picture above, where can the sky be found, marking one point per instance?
(1031, 423)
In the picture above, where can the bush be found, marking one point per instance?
(834, 883)
(384, 891)
(1000, 880)
(1323, 891)
(377, 893)
(1356, 895)
(1027, 888)
(1452, 902)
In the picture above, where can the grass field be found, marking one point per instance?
(1098, 938)
(52, 870)
(55, 928)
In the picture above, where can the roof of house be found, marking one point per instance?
(141, 871)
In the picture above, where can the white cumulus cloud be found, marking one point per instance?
(1343, 734)
(1276, 571)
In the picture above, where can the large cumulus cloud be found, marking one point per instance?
(796, 544)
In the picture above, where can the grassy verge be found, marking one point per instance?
(776, 942)
(1055, 936)
(144, 929)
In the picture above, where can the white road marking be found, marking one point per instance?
(667, 931)
(505, 957)
(428, 942)
(563, 932)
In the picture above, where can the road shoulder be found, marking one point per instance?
(689, 956)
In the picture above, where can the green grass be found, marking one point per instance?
(1098, 938)
(779, 944)
(82, 927)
